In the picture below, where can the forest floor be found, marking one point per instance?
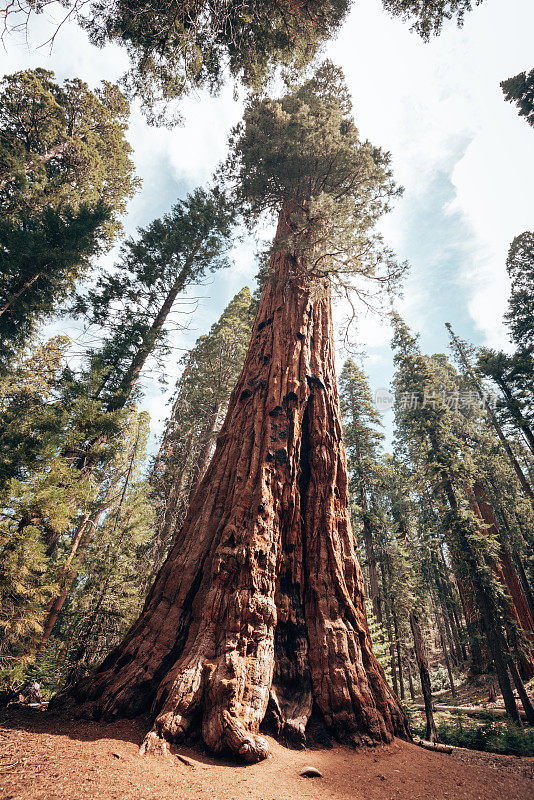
(47, 757)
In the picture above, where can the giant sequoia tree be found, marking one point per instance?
(259, 608)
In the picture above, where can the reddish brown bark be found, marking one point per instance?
(261, 597)
(506, 574)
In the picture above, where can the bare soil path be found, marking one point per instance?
(47, 757)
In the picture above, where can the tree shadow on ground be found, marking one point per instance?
(41, 721)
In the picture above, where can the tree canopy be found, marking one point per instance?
(427, 16)
(182, 45)
(63, 145)
(302, 152)
(40, 263)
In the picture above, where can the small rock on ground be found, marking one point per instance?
(311, 772)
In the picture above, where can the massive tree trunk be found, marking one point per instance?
(260, 600)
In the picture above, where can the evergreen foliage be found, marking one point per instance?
(428, 17)
(520, 90)
(302, 152)
(435, 438)
(65, 177)
(183, 45)
(63, 145)
(40, 262)
(133, 304)
(514, 374)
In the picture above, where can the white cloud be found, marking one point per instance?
(420, 101)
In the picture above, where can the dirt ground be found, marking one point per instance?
(46, 757)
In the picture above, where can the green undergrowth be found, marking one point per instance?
(487, 734)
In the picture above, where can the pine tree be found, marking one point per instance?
(25, 587)
(135, 302)
(65, 177)
(514, 375)
(40, 262)
(264, 562)
(96, 569)
(520, 90)
(520, 268)
(30, 419)
(461, 350)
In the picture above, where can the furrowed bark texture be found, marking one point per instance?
(260, 602)
(506, 575)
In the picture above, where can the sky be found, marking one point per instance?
(462, 154)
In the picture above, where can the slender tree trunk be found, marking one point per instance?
(410, 677)
(146, 348)
(398, 651)
(525, 584)
(454, 652)
(466, 588)
(370, 555)
(498, 652)
(521, 691)
(494, 636)
(431, 734)
(441, 607)
(68, 573)
(447, 590)
(459, 632)
(389, 630)
(443, 641)
(261, 597)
